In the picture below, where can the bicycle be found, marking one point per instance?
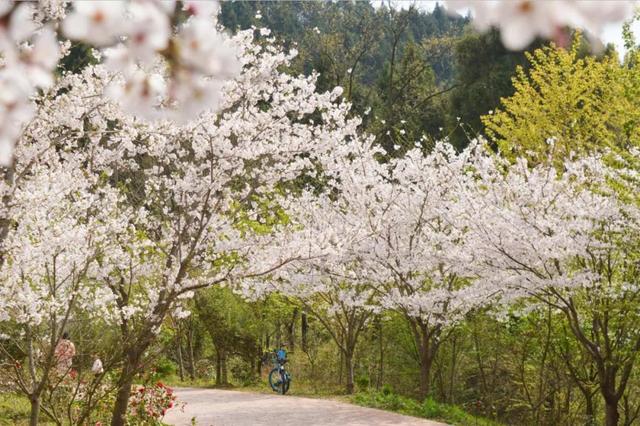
(279, 377)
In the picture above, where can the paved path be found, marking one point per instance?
(212, 407)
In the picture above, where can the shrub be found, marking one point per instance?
(149, 404)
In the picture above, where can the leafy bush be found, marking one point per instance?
(243, 371)
(164, 367)
(362, 382)
(387, 389)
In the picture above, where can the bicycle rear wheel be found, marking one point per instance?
(287, 382)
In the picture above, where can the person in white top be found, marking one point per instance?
(97, 366)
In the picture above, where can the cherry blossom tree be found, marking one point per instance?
(343, 305)
(420, 254)
(387, 236)
(569, 242)
(60, 227)
(192, 194)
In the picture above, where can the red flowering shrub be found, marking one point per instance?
(149, 404)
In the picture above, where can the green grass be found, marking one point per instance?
(429, 409)
(14, 409)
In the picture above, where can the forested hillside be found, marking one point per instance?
(429, 70)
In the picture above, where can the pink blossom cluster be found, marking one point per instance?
(166, 68)
(30, 53)
(521, 21)
(165, 73)
(150, 403)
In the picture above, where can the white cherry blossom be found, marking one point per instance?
(521, 21)
(97, 22)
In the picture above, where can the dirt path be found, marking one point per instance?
(212, 407)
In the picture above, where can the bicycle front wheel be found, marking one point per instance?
(275, 380)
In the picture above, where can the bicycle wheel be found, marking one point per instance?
(275, 380)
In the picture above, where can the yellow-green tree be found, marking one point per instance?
(585, 104)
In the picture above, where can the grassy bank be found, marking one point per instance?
(428, 409)
(14, 409)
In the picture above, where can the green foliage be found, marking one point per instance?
(80, 55)
(267, 214)
(483, 69)
(586, 104)
(243, 371)
(362, 382)
(164, 368)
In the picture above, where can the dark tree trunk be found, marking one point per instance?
(381, 358)
(131, 361)
(218, 367)
(292, 330)
(180, 357)
(348, 364)
(341, 367)
(425, 338)
(304, 328)
(192, 361)
(612, 416)
(278, 335)
(426, 361)
(223, 368)
(611, 398)
(259, 365)
(35, 410)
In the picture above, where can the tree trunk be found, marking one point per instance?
(304, 328)
(180, 358)
(348, 364)
(292, 331)
(426, 361)
(218, 367)
(612, 416)
(452, 376)
(192, 361)
(341, 366)
(119, 414)
(278, 335)
(381, 359)
(35, 410)
(427, 347)
(589, 411)
(223, 368)
(259, 366)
